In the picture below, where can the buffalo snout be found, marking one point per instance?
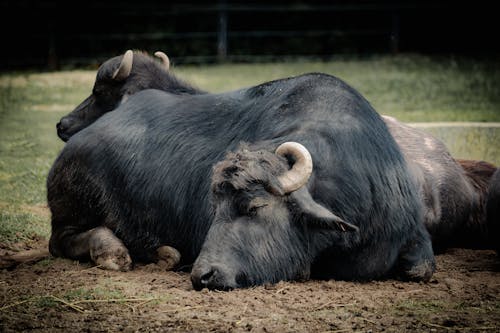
(211, 277)
(63, 127)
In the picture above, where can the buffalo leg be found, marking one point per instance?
(98, 244)
(167, 257)
(416, 261)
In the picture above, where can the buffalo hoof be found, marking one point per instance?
(107, 251)
(168, 257)
(115, 259)
(421, 272)
(115, 262)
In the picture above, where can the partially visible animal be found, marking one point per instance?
(139, 179)
(493, 209)
(454, 191)
(481, 231)
(117, 79)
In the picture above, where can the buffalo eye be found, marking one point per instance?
(252, 211)
(254, 206)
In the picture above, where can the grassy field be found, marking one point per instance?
(411, 88)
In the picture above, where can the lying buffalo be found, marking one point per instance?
(116, 80)
(338, 200)
(454, 192)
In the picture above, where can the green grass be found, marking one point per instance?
(411, 88)
(16, 226)
(420, 308)
(83, 298)
(31, 106)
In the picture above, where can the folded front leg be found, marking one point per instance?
(168, 257)
(107, 251)
(98, 244)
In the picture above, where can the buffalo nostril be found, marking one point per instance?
(65, 128)
(207, 277)
(212, 277)
(65, 123)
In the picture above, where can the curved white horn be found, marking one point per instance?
(296, 177)
(164, 59)
(123, 71)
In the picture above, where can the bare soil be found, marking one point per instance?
(58, 295)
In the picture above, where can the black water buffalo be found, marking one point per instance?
(453, 191)
(141, 178)
(272, 223)
(116, 79)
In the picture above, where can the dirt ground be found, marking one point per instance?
(58, 295)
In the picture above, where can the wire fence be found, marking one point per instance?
(223, 30)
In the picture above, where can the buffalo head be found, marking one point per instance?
(264, 220)
(116, 79)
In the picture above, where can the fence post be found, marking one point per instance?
(395, 32)
(52, 59)
(222, 32)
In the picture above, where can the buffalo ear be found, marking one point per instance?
(316, 215)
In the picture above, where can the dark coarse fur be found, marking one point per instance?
(108, 93)
(144, 171)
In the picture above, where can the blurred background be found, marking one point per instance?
(54, 34)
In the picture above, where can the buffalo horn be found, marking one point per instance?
(123, 71)
(300, 172)
(164, 59)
